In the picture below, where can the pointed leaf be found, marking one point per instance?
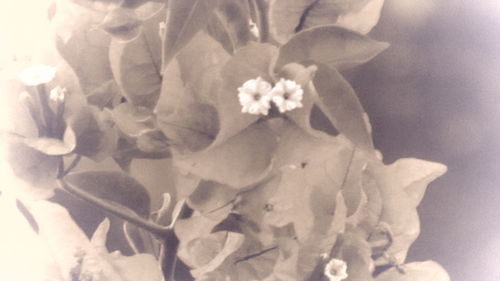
(334, 46)
(105, 95)
(136, 64)
(340, 104)
(114, 186)
(184, 19)
(415, 271)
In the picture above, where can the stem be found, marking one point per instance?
(262, 22)
(170, 244)
(71, 166)
(120, 212)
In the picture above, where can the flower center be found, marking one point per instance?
(257, 97)
(286, 96)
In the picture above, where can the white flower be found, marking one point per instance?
(38, 74)
(254, 96)
(336, 270)
(287, 95)
(57, 94)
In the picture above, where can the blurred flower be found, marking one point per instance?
(287, 95)
(37, 74)
(57, 94)
(336, 270)
(254, 96)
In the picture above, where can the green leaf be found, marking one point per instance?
(136, 64)
(415, 271)
(95, 138)
(240, 161)
(122, 23)
(334, 46)
(184, 19)
(114, 186)
(340, 104)
(52, 146)
(287, 17)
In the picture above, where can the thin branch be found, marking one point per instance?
(117, 211)
(170, 244)
(71, 166)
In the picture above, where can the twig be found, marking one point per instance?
(170, 244)
(71, 166)
(117, 211)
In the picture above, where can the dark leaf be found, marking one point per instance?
(340, 104)
(184, 19)
(334, 46)
(113, 186)
(136, 64)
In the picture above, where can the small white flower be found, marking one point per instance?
(57, 94)
(38, 74)
(254, 96)
(336, 270)
(287, 95)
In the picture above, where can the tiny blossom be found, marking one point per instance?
(38, 74)
(336, 270)
(57, 94)
(287, 95)
(254, 96)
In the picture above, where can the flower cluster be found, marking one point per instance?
(255, 96)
